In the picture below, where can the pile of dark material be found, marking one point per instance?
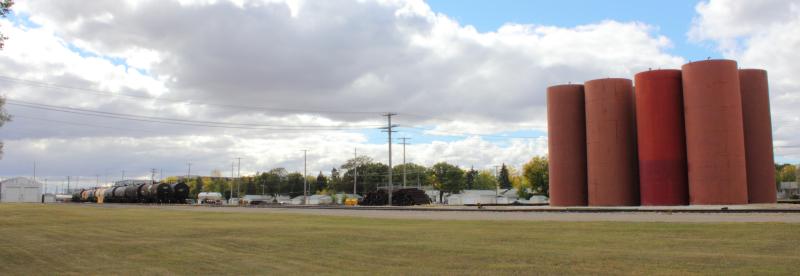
(401, 197)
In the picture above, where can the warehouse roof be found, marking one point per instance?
(24, 181)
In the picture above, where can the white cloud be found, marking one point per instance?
(761, 34)
(308, 55)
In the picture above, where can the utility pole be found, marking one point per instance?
(418, 184)
(68, 185)
(305, 176)
(189, 171)
(153, 175)
(123, 175)
(389, 131)
(231, 180)
(238, 177)
(496, 183)
(34, 171)
(355, 170)
(97, 180)
(404, 143)
(45, 185)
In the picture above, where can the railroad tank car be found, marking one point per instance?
(180, 191)
(132, 193)
(94, 195)
(566, 130)
(159, 192)
(140, 193)
(99, 195)
(119, 194)
(661, 138)
(90, 195)
(210, 198)
(76, 196)
(714, 132)
(758, 136)
(84, 195)
(108, 194)
(145, 196)
(612, 162)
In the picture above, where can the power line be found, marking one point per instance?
(164, 120)
(173, 100)
(465, 133)
(282, 131)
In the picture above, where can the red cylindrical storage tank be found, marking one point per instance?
(566, 132)
(757, 136)
(661, 138)
(712, 104)
(610, 143)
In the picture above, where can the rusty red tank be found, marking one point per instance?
(610, 143)
(661, 138)
(566, 132)
(714, 134)
(757, 136)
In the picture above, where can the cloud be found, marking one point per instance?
(761, 34)
(353, 55)
(308, 62)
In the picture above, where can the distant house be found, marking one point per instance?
(20, 189)
(788, 190)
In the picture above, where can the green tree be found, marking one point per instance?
(504, 178)
(412, 171)
(789, 173)
(357, 161)
(485, 180)
(321, 183)
(276, 181)
(4, 117)
(447, 178)
(471, 176)
(536, 171)
(249, 185)
(334, 182)
(197, 186)
(294, 182)
(370, 175)
(5, 9)
(218, 185)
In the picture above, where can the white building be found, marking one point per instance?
(20, 189)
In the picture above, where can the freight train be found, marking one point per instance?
(155, 192)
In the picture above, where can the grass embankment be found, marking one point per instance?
(72, 239)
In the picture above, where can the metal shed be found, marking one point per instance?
(20, 189)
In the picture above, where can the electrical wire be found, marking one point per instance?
(173, 100)
(174, 121)
(464, 134)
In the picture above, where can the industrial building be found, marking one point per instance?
(20, 189)
(698, 135)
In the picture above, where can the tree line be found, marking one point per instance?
(370, 175)
(785, 173)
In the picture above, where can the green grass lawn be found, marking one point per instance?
(71, 239)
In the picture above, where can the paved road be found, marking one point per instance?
(488, 215)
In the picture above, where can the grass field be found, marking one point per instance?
(72, 239)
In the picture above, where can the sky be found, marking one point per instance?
(112, 87)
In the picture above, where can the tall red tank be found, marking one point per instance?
(566, 131)
(610, 143)
(661, 138)
(712, 104)
(757, 136)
